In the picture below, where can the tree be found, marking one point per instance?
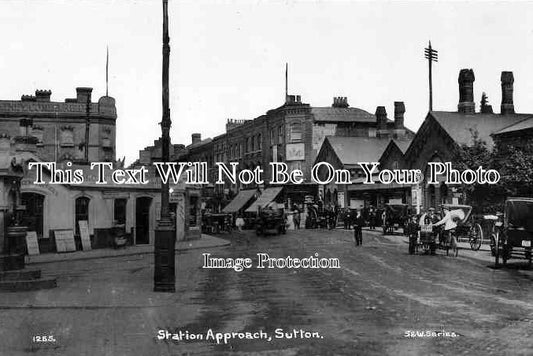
(515, 165)
(484, 197)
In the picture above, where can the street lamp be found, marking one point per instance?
(165, 236)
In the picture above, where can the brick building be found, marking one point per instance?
(63, 128)
(443, 132)
(292, 133)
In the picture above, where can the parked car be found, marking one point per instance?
(513, 237)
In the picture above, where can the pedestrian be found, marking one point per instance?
(450, 219)
(296, 218)
(239, 222)
(372, 218)
(346, 219)
(357, 229)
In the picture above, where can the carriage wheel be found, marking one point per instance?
(476, 237)
(493, 244)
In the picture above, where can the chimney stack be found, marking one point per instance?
(466, 92)
(83, 95)
(381, 118)
(196, 137)
(507, 106)
(340, 102)
(43, 95)
(399, 110)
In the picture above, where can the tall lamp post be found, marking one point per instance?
(165, 236)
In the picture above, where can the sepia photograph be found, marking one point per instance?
(269, 177)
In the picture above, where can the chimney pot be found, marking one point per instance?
(466, 91)
(399, 110)
(43, 95)
(196, 137)
(507, 106)
(83, 95)
(381, 118)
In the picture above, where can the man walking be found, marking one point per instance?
(358, 229)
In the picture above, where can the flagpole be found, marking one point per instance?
(107, 72)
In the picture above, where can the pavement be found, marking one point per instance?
(206, 241)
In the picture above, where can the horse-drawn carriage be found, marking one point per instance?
(461, 225)
(394, 216)
(513, 237)
(217, 223)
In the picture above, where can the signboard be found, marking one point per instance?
(65, 240)
(295, 152)
(84, 234)
(357, 204)
(31, 243)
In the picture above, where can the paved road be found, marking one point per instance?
(365, 307)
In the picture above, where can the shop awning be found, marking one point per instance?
(266, 197)
(239, 201)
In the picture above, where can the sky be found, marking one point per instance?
(228, 57)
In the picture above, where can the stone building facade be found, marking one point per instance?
(76, 130)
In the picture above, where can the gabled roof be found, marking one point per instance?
(332, 114)
(460, 126)
(519, 126)
(352, 150)
(403, 145)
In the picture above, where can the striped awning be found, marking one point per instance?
(266, 197)
(239, 201)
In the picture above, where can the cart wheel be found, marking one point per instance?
(496, 250)
(493, 244)
(476, 237)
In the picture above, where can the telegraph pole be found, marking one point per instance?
(432, 56)
(165, 236)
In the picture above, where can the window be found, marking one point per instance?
(271, 136)
(296, 131)
(252, 139)
(280, 134)
(120, 211)
(259, 143)
(82, 211)
(67, 136)
(193, 211)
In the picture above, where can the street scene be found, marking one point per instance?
(369, 306)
